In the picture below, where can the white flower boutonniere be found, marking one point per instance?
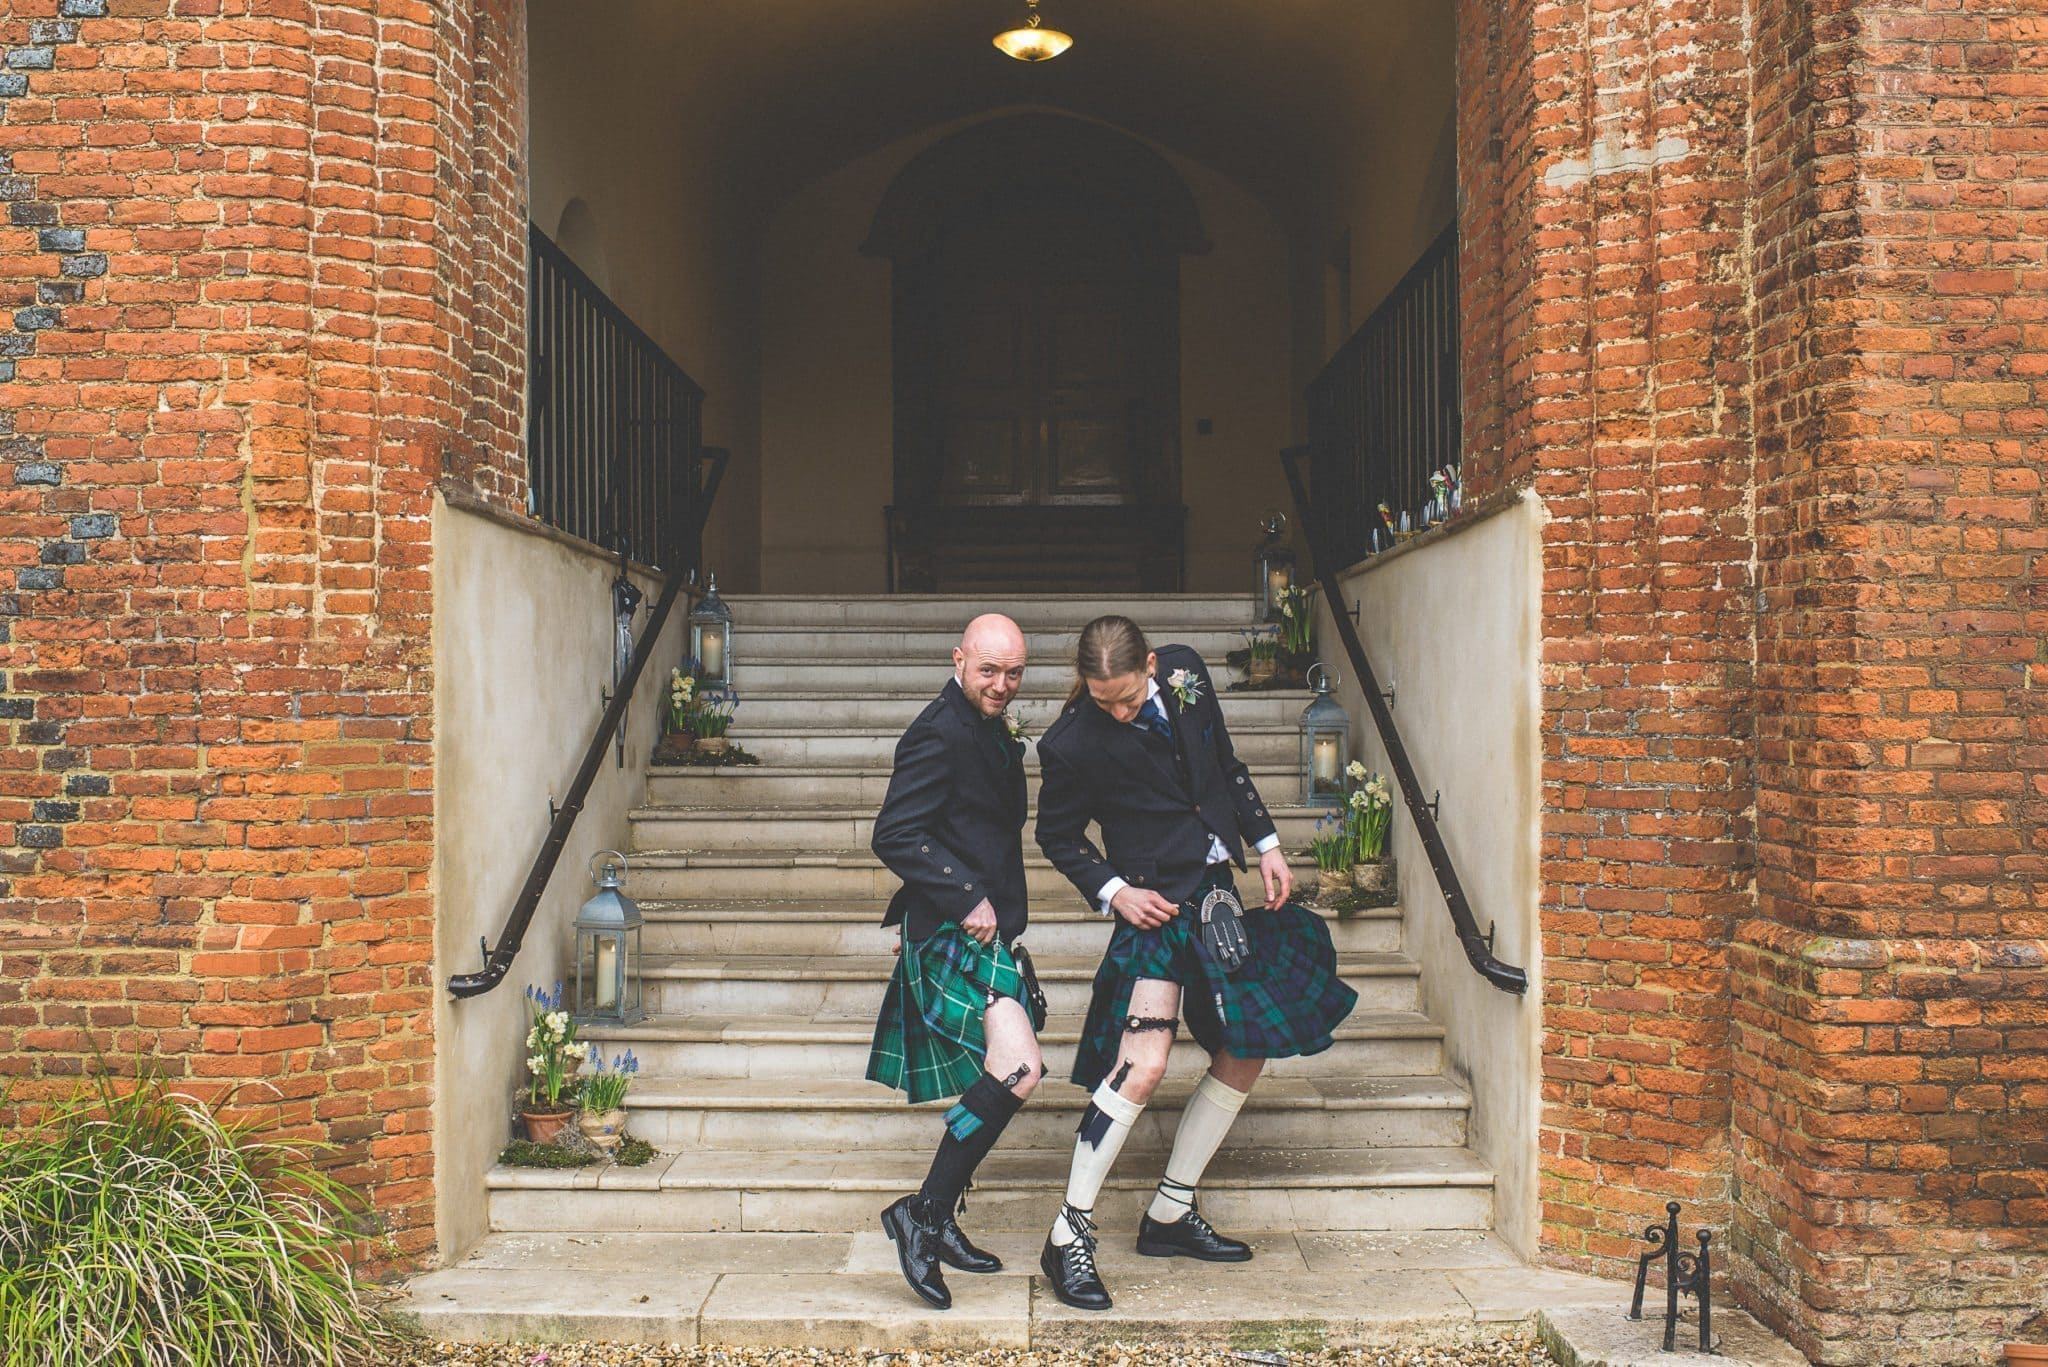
(1014, 727)
(1186, 685)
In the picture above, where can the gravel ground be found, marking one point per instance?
(1516, 1351)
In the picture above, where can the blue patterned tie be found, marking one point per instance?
(1154, 717)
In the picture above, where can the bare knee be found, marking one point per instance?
(1034, 1073)
(1139, 1072)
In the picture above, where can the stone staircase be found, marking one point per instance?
(765, 964)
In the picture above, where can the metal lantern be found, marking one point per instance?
(1272, 567)
(711, 637)
(608, 950)
(1325, 743)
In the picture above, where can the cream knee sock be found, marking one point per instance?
(1207, 1119)
(1105, 1125)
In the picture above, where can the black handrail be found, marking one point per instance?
(1478, 947)
(498, 959)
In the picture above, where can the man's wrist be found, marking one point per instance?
(1108, 894)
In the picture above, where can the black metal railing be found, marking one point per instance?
(1478, 946)
(614, 426)
(1383, 414)
(498, 958)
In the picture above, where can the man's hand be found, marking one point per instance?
(1279, 879)
(1143, 907)
(981, 922)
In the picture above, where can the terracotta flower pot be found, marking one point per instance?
(2032, 1354)
(673, 746)
(604, 1129)
(543, 1126)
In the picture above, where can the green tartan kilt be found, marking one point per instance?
(1285, 1001)
(929, 1039)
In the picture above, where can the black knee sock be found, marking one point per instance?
(972, 1128)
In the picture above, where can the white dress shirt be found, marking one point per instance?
(1219, 853)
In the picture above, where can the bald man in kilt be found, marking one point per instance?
(1142, 751)
(960, 1015)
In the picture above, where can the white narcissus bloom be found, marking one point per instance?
(558, 1022)
(1355, 771)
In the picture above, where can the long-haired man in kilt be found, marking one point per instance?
(1142, 751)
(957, 1018)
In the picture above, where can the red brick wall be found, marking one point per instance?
(1765, 281)
(235, 301)
(1892, 1008)
(1617, 212)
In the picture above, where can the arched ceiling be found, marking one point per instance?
(1263, 91)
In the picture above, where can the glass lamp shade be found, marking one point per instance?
(1033, 43)
(711, 636)
(1325, 744)
(1274, 567)
(608, 952)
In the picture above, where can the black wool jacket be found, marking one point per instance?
(952, 824)
(1156, 803)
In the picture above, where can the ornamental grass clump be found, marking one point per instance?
(144, 1227)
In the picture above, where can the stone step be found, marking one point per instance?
(762, 785)
(839, 828)
(1050, 651)
(1388, 1291)
(794, 1047)
(825, 711)
(844, 1111)
(874, 747)
(817, 1188)
(849, 987)
(1071, 611)
(840, 926)
(805, 875)
(1047, 678)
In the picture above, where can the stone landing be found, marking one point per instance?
(1302, 1291)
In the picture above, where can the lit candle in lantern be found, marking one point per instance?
(714, 655)
(1278, 579)
(1326, 762)
(607, 973)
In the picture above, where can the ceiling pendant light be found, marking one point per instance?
(1033, 43)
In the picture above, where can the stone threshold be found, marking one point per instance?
(1301, 1292)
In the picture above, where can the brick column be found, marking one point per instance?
(235, 344)
(1617, 211)
(1890, 994)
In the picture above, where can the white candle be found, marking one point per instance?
(1326, 759)
(607, 973)
(714, 655)
(1276, 583)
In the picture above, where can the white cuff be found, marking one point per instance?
(1109, 890)
(1271, 842)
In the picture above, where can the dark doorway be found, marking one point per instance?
(1037, 356)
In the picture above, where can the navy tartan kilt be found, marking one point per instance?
(1284, 1001)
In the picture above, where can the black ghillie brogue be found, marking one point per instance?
(1070, 1268)
(909, 1223)
(956, 1250)
(1189, 1237)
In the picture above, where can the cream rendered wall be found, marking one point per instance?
(516, 697)
(1453, 626)
(677, 257)
(826, 379)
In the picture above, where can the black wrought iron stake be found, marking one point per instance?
(1691, 1273)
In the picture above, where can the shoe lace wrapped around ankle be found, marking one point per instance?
(1080, 1254)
